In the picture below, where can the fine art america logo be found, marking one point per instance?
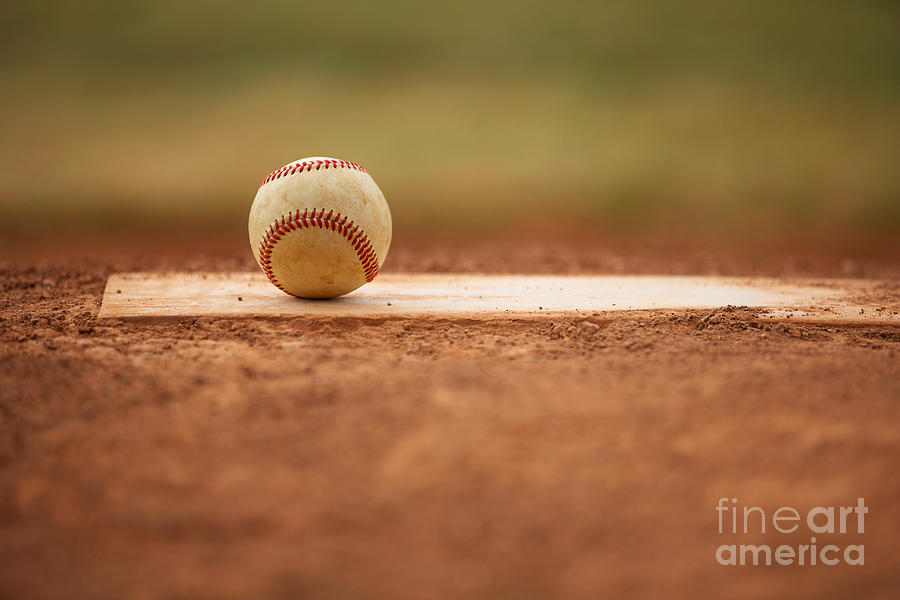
(787, 520)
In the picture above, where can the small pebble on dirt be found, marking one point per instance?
(638, 345)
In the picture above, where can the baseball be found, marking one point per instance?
(319, 227)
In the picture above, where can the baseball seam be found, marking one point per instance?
(309, 219)
(309, 165)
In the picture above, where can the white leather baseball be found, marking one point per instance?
(319, 227)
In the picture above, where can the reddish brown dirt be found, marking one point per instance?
(213, 458)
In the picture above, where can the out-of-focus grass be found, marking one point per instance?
(695, 116)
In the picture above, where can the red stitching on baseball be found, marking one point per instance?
(307, 165)
(308, 219)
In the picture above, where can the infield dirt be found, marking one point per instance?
(422, 458)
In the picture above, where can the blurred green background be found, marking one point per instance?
(732, 118)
